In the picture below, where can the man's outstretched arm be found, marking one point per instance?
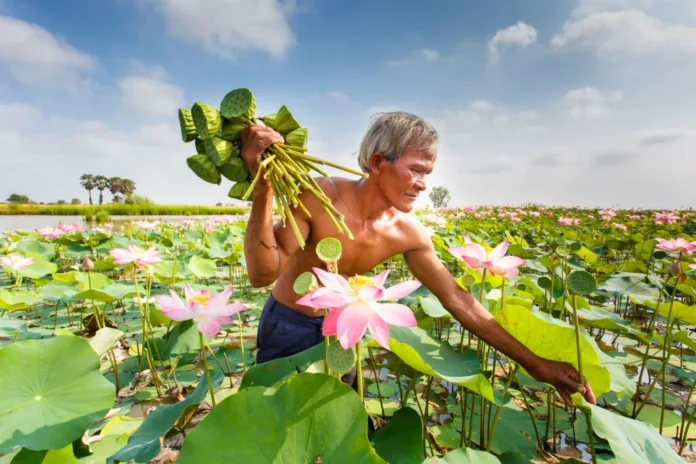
(426, 267)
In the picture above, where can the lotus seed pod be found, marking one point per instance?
(220, 151)
(329, 250)
(238, 105)
(231, 130)
(297, 138)
(581, 283)
(238, 190)
(305, 283)
(467, 280)
(285, 122)
(562, 251)
(201, 165)
(188, 129)
(207, 120)
(339, 359)
(235, 170)
(200, 145)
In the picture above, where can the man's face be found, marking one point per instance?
(404, 180)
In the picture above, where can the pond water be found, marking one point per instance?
(32, 222)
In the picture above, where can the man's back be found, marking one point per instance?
(374, 239)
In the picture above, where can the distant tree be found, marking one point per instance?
(114, 184)
(440, 197)
(219, 203)
(127, 187)
(100, 183)
(87, 182)
(17, 198)
(61, 202)
(75, 201)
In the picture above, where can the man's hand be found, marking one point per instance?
(564, 377)
(255, 140)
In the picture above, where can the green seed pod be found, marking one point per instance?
(220, 151)
(188, 129)
(207, 120)
(329, 250)
(581, 283)
(339, 359)
(238, 190)
(235, 170)
(305, 283)
(238, 105)
(204, 168)
(285, 122)
(200, 145)
(297, 138)
(231, 130)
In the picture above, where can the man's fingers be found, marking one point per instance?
(566, 399)
(589, 394)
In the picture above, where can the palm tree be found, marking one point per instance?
(100, 183)
(115, 186)
(87, 182)
(127, 187)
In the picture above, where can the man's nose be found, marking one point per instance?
(420, 185)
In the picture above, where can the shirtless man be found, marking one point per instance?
(398, 152)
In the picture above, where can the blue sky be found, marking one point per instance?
(561, 102)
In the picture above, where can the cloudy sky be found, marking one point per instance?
(560, 102)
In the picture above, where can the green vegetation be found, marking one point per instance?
(118, 209)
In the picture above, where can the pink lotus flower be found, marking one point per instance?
(476, 257)
(566, 221)
(678, 245)
(209, 311)
(70, 228)
(135, 255)
(16, 262)
(665, 217)
(692, 266)
(50, 233)
(619, 226)
(354, 306)
(634, 217)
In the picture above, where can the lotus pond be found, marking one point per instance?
(94, 371)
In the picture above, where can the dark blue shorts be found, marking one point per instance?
(283, 331)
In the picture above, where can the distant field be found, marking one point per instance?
(119, 210)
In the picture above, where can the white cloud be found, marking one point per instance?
(481, 106)
(36, 57)
(520, 34)
(148, 91)
(527, 115)
(629, 33)
(227, 27)
(663, 136)
(458, 118)
(427, 54)
(15, 116)
(586, 7)
(338, 96)
(590, 103)
(501, 119)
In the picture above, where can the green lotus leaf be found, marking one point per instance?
(105, 339)
(313, 416)
(58, 291)
(145, 444)
(422, 352)
(18, 299)
(93, 280)
(631, 284)
(581, 282)
(554, 339)
(683, 337)
(50, 392)
(603, 319)
(271, 372)
(464, 456)
(433, 308)
(401, 440)
(201, 267)
(685, 313)
(630, 440)
(39, 269)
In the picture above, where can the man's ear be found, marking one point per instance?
(377, 162)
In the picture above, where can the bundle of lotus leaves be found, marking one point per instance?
(217, 137)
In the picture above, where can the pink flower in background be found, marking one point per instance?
(566, 221)
(209, 227)
(476, 257)
(146, 225)
(16, 262)
(50, 233)
(665, 217)
(619, 226)
(135, 255)
(70, 228)
(678, 245)
(354, 306)
(209, 311)
(634, 217)
(692, 266)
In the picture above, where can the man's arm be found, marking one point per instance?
(427, 268)
(267, 248)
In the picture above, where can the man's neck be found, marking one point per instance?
(370, 201)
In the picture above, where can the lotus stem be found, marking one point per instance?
(491, 433)
(360, 372)
(204, 355)
(241, 341)
(667, 344)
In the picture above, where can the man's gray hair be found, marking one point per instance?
(393, 133)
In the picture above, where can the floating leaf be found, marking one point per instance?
(51, 391)
(464, 456)
(202, 268)
(313, 416)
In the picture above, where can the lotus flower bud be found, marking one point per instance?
(88, 264)
(675, 269)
